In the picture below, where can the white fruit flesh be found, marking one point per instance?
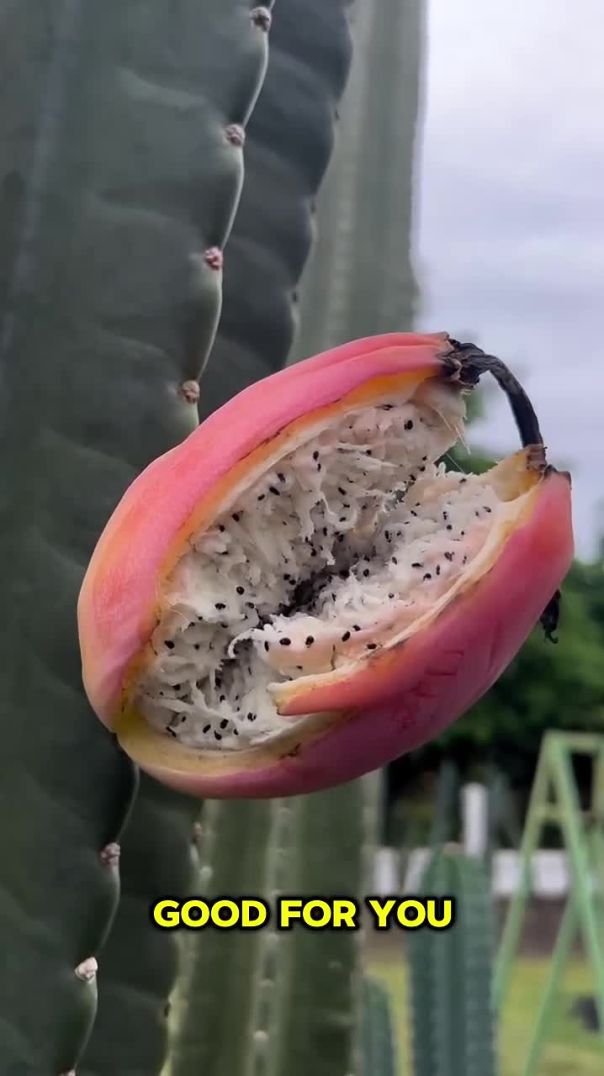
(347, 541)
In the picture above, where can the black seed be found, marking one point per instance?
(261, 496)
(240, 590)
(427, 575)
(417, 564)
(342, 491)
(218, 736)
(309, 640)
(445, 516)
(346, 637)
(280, 476)
(300, 668)
(366, 572)
(176, 687)
(345, 505)
(221, 528)
(222, 698)
(344, 573)
(414, 513)
(449, 527)
(266, 645)
(356, 627)
(196, 646)
(371, 646)
(477, 513)
(462, 534)
(224, 723)
(449, 556)
(391, 595)
(318, 467)
(462, 480)
(342, 519)
(424, 458)
(486, 508)
(325, 532)
(285, 642)
(206, 728)
(409, 424)
(235, 732)
(394, 560)
(236, 516)
(169, 644)
(422, 469)
(315, 455)
(438, 569)
(273, 489)
(387, 536)
(219, 605)
(368, 452)
(250, 605)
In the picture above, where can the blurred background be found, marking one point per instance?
(466, 193)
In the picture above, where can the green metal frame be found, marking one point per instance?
(555, 800)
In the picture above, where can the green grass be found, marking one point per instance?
(571, 1050)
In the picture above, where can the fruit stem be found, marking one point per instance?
(467, 363)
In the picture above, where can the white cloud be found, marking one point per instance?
(510, 218)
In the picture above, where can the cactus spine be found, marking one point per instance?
(122, 185)
(451, 972)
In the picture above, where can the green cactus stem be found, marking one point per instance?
(451, 971)
(379, 1058)
(359, 279)
(118, 191)
(287, 147)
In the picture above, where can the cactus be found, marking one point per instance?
(319, 998)
(121, 182)
(287, 148)
(221, 1002)
(453, 1015)
(379, 1058)
(359, 279)
(138, 964)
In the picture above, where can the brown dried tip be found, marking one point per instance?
(262, 17)
(110, 854)
(466, 363)
(235, 134)
(190, 391)
(213, 257)
(86, 971)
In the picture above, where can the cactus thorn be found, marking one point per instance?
(86, 971)
(262, 17)
(213, 257)
(110, 854)
(190, 391)
(235, 134)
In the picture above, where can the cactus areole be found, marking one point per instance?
(301, 591)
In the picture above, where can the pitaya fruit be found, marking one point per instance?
(300, 591)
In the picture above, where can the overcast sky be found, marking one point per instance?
(510, 216)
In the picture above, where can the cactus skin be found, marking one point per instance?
(319, 996)
(288, 144)
(453, 1015)
(217, 1006)
(379, 1058)
(359, 280)
(118, 178)
(139, 963)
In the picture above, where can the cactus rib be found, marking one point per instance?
(121, 188)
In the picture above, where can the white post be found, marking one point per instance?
(474, 819)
